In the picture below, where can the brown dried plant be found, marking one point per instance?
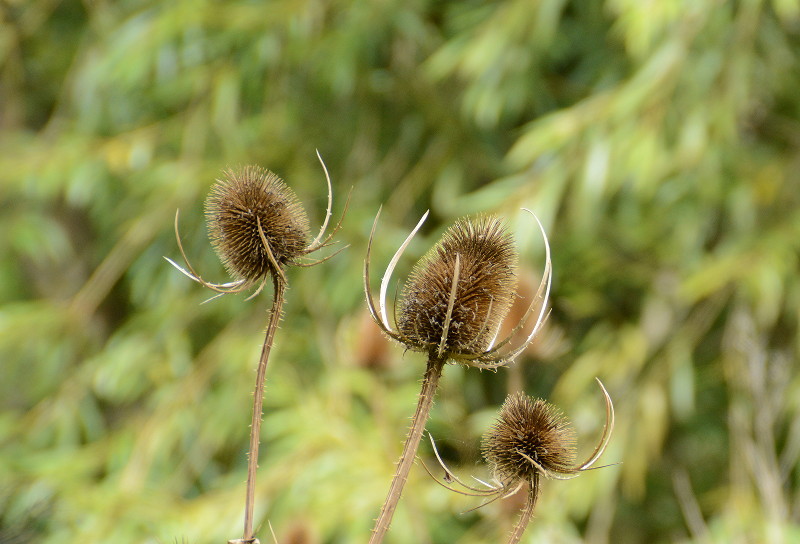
(258, 227)
(530, 439)
(451, 308)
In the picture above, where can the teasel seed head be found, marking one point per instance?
(247, 204)
(529, 435)
(531, 439)
(458, 294)
(257, 226)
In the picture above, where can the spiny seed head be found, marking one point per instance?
(484, 292)
(237, 205)
(528, 429)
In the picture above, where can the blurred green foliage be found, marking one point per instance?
(658, 141)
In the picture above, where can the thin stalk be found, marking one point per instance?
(527, 511)
(429, 384)
(279, 286)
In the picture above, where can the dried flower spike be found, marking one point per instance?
(530, 439)
(257, 226)
(451, 308)
(530, 436)
(458, 294)
(250, 204)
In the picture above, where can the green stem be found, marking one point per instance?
(429, 384)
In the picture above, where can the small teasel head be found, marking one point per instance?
(459, 293)
(255, 223)
(530, 436)
(530, 439)
(257, 226)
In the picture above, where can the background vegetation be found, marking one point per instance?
(659, 142)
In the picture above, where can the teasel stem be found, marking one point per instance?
(279, 286)
(527, 511)
(430, 383)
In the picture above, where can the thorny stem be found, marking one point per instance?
(527, 511)
(258, 401)
(429, 384)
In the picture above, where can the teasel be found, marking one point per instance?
(451, 308)
(258, 227)
(530, 439)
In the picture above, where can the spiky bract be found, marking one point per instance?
(238, 204)
(529, 430)
(484, 291)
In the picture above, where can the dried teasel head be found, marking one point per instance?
(458, 294)
(530, 436)
(255, 222)
(530, 439)
(257, 226)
